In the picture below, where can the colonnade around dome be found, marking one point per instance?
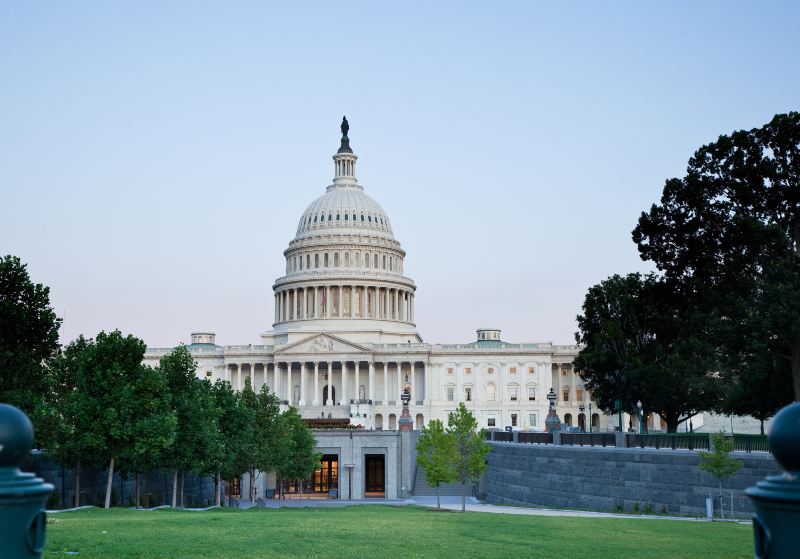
(344, 301)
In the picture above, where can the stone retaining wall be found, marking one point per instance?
(605, 479)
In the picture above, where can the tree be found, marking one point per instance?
(719, 464)
(106, 397)
(28, 340)
(644, 341)
(731, 228)
(67, 447)
(272, 445)
(302, 458)
(470, 448)
(195, 442)
(436, 455)
(234, 425)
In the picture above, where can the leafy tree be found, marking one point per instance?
(106, 397)
(250, 451)
(195, 443)
(719, 463)
(731, 229)
(470, 448)
(436, 455)
(301, 459)
(272, 445)
(234, 424)
(643, 340)
(67, 447)
(28, 339)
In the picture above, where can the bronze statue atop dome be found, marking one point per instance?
(345, 147)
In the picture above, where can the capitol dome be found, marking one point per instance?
(344, 268)
(344, 207)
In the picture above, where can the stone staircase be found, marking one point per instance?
(422, 489)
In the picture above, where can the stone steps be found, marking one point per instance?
(422, 489)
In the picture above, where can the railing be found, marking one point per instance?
(685, 441)
(535, 438)
(503, 436)
(589, 439)
(749, 443)
(361, 401)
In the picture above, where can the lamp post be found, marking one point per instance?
(552, 423)
(641, 417)
(590, 417)
(582, 408)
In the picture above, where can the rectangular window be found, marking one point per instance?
(513, 420)
(449, 393)
(531, 393)
(449, 371)
(564, 372)
(565, 394)
(513, 370)
(467, 370)
(532, 419)
(579, 394)
(468, 394)
(530, 370)
(490, 392)
(513, 393)
(490, 421)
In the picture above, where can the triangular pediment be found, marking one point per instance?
(322, 343)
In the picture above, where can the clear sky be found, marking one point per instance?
(155, 157)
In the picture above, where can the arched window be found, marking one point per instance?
(308, 261)
(491, 392)
(335, 259)
(378, 422)
(362, 217)
(358, 260)
(338, 217)
(354, 217)
(315, 219)
(513, 392)
(316, 260)
(384, 261)
(326, 259)
(376, 261)
(346, 259)
(346, 217)
(366, 260)
(568, 419)
(369, 217)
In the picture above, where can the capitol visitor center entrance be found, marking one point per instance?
(375, 476)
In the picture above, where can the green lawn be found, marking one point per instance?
(383, 532)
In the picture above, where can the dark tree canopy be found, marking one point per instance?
(731, 229)
(28, 339)
(643, 341)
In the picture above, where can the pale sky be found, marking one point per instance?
(155, 157)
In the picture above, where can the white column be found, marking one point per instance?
(413, 382)
(341, 302)
(327, 301)
(289, 388)
(315, 400)
(344, 400)
(372, 381)
(357, 396)
(302, 383)
(385, 383)
(253, 376)
(330, 383)
(239, 377)
(426, 383)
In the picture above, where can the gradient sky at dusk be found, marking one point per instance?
(155, 157)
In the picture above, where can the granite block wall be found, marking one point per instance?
(603, 479)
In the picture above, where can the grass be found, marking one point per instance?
(382, 532)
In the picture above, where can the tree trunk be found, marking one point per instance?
(108, 483)
(463, 497)
(183, 486)
(175, 488)
(252, 488)
(138, 487)
(217, 485)
(438, 502)
(78, 484)
(147, 491)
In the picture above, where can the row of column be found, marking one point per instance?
(283, 373)
(344, 302)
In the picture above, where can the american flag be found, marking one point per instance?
(324, 299)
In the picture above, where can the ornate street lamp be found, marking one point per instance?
(552, 423)
(582, 408)
(641, 417)
(590, 417)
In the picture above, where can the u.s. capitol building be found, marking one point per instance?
(345, 342)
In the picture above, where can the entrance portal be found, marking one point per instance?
(375, 476)
(325, 398)
(325, 479)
